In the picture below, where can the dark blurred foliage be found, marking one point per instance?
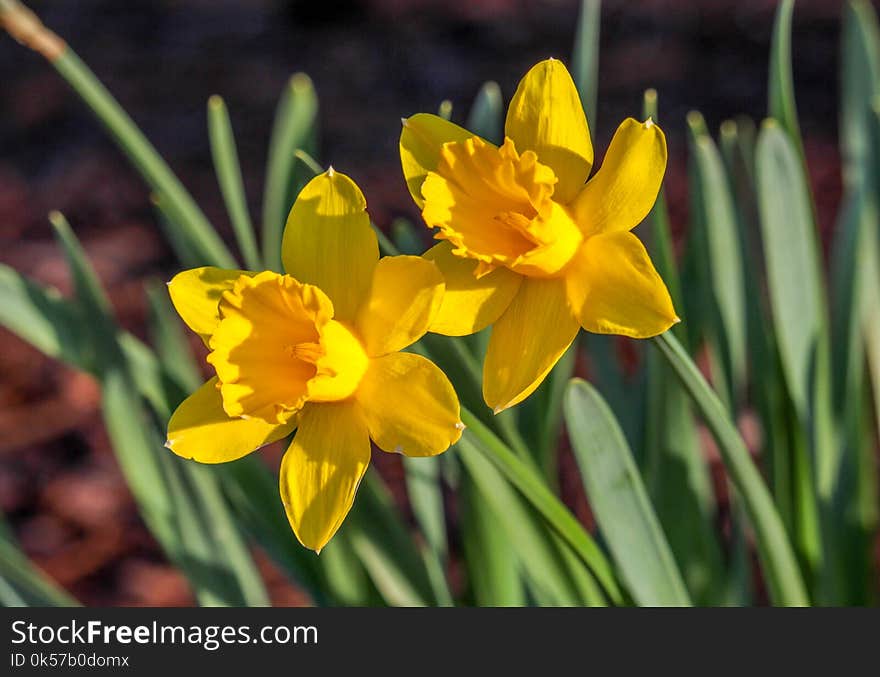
(372, 62)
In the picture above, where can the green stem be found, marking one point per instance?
(783, 577)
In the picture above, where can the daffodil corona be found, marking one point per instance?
(317, 350)
(529, 245)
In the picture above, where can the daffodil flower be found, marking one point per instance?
(529, 245)
(317, 350)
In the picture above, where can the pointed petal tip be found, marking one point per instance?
(331, 172)
(649, 122)
(169, 444)
(497, 410)
(404, 121)
(460, 426)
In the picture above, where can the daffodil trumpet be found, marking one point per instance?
(317, 350)
(528, 244)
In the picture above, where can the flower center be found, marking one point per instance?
(495, 205)
(277, 347)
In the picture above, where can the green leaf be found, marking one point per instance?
(585, 60)
(195, 226)
(479, 439)
(212, 552)
(186, 253)
(676, 473)
(490, 557)
(542, 560)
(540, 416)
(426, 500)
(102, 348)
(294, 129)
(444, 110)
(860, 84)
(173, 499)
(798, 308)
(215, 554)
(783, 577)
(228, 171)
(345, 575)
(405, 237)
(386, 548)
(619, 501)
(794, 272)
(782, 105)
(679, 484)
(21, 583)
(781, 447)
(724, 267)
(167, 334)
(42, 317)
(252, 492)
(486, 118)
(453, 357)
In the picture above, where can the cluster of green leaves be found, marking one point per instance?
(785, 346)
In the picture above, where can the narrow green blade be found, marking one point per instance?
(480, 440)
(542, 561)
(195, 226)
(724, 267)
(228, 170)
(486, 118)
(782, 105)
(781, 571)
(490, 557)
(21, 583)
(619, 500)
(585, 60)
(294, 129)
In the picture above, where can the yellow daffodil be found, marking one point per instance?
(529, 245)
(317, 350)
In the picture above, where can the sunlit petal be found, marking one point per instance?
(328, 241)
(322, 469)
(201, 430)
(546, 116)
(409, 405)
(531, 336)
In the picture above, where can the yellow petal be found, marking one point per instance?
(328, 241)
(546, 116)
(199, 429)
(625, 187)
(322, 468)
(341, 363)
(266, 346)
(404, 298)
(196, 294)
(409, 405)
(421, 139)
(494, 205)
(527, 341)
(469, 304)
(614, 289)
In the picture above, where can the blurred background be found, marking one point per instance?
(372, 62)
